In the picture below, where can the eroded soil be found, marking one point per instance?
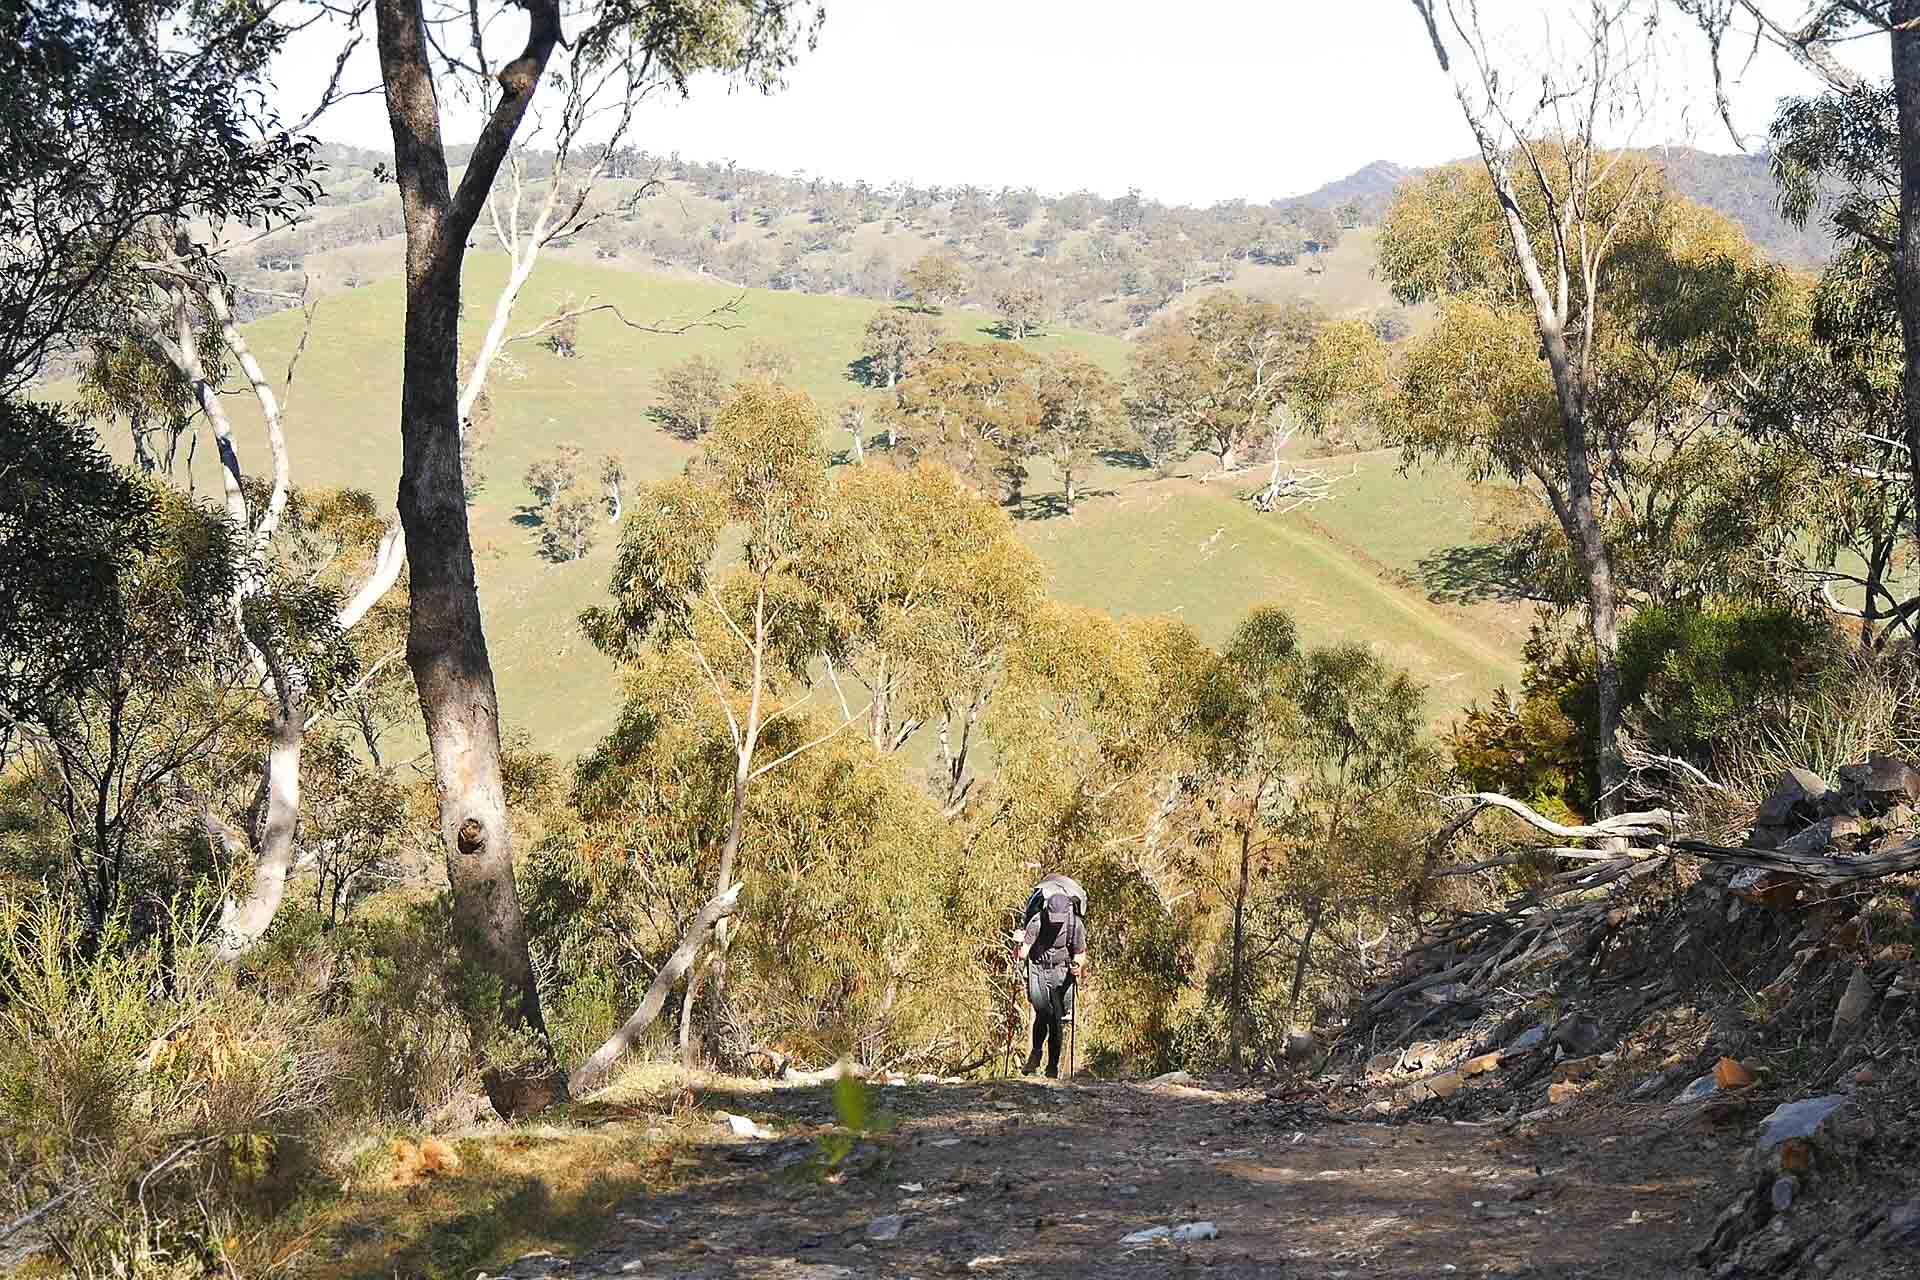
(1037, 1179)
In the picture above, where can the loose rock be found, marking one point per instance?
(886, 1227)
(1795, 1130)
(1784, 1188)
(1796, 792)
(1698, 1091)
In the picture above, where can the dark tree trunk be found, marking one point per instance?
(1603, 614)
(446, 646)
(1304, 957)
(1236, 979)
(1906, 265)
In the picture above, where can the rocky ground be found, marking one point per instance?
(1024, 1178)
(1645, 1067)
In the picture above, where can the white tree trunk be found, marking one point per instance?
(592, 1073)
(244, 921)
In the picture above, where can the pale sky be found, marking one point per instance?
(1194, 102)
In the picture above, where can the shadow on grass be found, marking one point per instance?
(1051, 506)
(530, 517)
(512, 1195)
(1475, 574)
(1132, 459)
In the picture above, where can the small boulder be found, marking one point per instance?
(1883, 781)
(1818, 840)
(886, 1227)
(1384, 1064)
(1854, 1003)
(1784, 1189)
(1575, 1069)
(1699, 1091)
(1796, 792)
(1579, 1036)
(1775, 890)
(1795, 1131)
(1532, 1038)
(1902, 1227)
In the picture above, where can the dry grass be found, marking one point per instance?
(476, 1199)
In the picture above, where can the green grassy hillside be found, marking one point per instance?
(1139, 545)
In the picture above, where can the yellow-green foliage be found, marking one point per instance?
(141, 1087)
(862, 923)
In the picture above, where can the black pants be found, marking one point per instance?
(1050, 991)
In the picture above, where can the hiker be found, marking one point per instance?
(1054, 945)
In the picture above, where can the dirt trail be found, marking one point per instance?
(1030, 1179)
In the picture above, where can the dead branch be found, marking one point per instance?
(1889, 862)
(592, 1073)
(827, 1076)
(1650, 824)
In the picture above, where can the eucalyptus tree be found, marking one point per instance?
(120, 116)
(420, 47)
(924, 589)
(749, 630)
(1531, 252)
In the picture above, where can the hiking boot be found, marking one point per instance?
(1031, 1065)
(1053, 1072)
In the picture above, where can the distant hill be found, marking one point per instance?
(1373, 186)
(1740, 186)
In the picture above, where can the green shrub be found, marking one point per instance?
(149, 1103)
(1692, 679)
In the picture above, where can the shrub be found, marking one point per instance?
(149, 1102)
(1693, 678)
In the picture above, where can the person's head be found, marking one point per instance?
(1059, 910)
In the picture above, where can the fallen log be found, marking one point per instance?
(1888, 862)
(826, 1076)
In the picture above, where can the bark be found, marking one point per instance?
(593, 1072)
(244, 922)
(1906, 86)
(446, 646)
(1236, 990)
(1305, 955)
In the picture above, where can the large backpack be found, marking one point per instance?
(1037, 900)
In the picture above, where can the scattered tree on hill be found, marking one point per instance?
(934, 280)
(691, 393)
(856, 418)
(1023, 310)
(768, 360)
(974, 407)
(549, 478)
(895, 341)
(1224, 372)
(1082, 413)
(613, 473)
(568, 531)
